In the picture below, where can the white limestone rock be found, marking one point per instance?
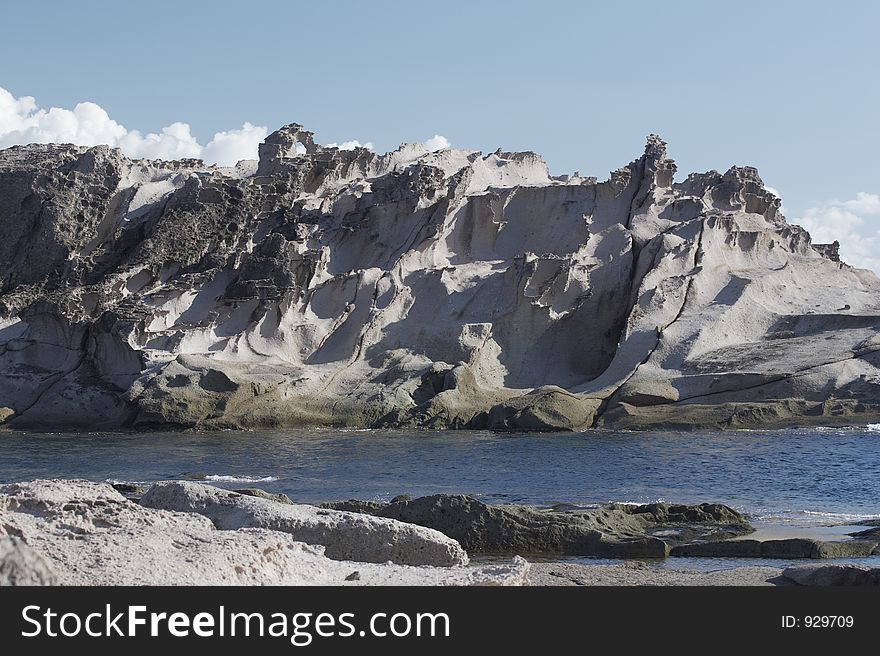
(20, 565)
(344, 535)
(448, 289)
(89, 534)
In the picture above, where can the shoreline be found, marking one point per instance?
(857, 421)
(439, 540)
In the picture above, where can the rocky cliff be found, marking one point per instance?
(444, 289)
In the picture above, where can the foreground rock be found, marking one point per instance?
(344, 535)
(833, 575)
(615, 531)
(786, 548)
(20, 565)
(91, 535)
(447, 289)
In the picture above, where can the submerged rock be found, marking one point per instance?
(92, 535)
(446, 289)
(344, 535)
(615, 531)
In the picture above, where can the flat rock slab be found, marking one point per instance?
(787, 548)
(614, 531)
(848, 574)
(344, 535)
(89, 534)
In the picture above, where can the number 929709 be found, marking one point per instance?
(818, 622)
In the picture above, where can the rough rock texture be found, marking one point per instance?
(20, 565)
(447, 289)
(272, 496)
(92, 535)
(615, 531)
(847, 574)
(344, 535)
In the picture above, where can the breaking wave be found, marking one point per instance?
(842, 516)
(225, 478)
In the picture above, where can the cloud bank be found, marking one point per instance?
(855, 223)
(22, 121)
(351, 145)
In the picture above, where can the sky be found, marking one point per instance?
(789, 87)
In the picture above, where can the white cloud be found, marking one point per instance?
(865, 204)
(854, 223)
(13, 111)
(22, 121)
(437, 142)
(351, 145)
(174, 141)
(234, 145)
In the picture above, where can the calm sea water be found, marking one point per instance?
(806, 477)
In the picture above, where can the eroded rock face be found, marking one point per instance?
(446, 289)
(344, 535)
(89, 534)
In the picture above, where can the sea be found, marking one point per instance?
(811, 482)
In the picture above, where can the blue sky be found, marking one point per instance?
(789, 87)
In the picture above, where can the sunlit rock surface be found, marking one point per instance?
(83, 533)
(447, 289)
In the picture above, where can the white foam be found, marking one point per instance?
(224, 478)
(832, 515)
(637, 503)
